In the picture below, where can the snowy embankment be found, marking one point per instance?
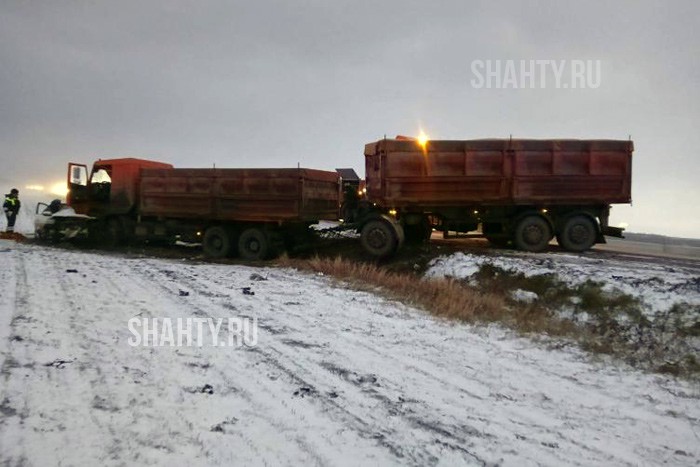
(659, 286)
(338, 377)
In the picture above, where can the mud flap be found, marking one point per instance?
(610, 232)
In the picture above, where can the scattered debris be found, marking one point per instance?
(220, 427)
(58, 363)
(247, 291)
(304, 391)
(207, 389)
(184, 293)
(203, 366)
(257, 277)
(71, 271)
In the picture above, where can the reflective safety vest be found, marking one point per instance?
(10, 203)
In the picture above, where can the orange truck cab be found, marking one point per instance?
(253, 213)
(111, 188)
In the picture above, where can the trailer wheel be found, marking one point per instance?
(579, 234)
(217, 242)
(532, 233)
(380, 238)
(253, 244)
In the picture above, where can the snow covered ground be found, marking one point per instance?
(338, 377)
(659, 285)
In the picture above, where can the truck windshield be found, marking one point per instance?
(100, 176)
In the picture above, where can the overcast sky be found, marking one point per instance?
(271, 84)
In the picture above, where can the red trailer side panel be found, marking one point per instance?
(498, 172)
(242, 195)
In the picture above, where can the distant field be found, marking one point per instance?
(661, 239)
(653, 245)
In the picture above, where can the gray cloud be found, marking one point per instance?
(276, 83)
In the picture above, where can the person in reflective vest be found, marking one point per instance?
(11, 208)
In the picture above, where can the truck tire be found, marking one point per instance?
(254, 244)
(216, 242)
(578, 234)
(532, 233)
(381, 238)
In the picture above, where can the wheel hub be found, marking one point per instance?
(376, 238)
(533, 234)
(578, 234)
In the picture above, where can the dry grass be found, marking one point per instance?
(441, 297)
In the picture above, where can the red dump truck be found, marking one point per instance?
(519, 191)
(249, 212)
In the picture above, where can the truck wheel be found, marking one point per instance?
(380, 238)
(579, 234)
(253, 244)
(532, 234)
(217, 242)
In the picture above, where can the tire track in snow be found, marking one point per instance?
(272, 360)
(150, 398)
(454, 435)
(13, 411)
(550, 431)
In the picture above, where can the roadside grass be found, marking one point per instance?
(443, 297)
(599, 320)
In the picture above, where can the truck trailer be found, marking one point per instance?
(523, 192)
(520, 192)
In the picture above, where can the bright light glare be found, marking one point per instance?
(35, 187)
(422, 138)
(59, 189)
(623, 225)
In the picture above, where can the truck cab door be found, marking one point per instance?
(78, 196)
